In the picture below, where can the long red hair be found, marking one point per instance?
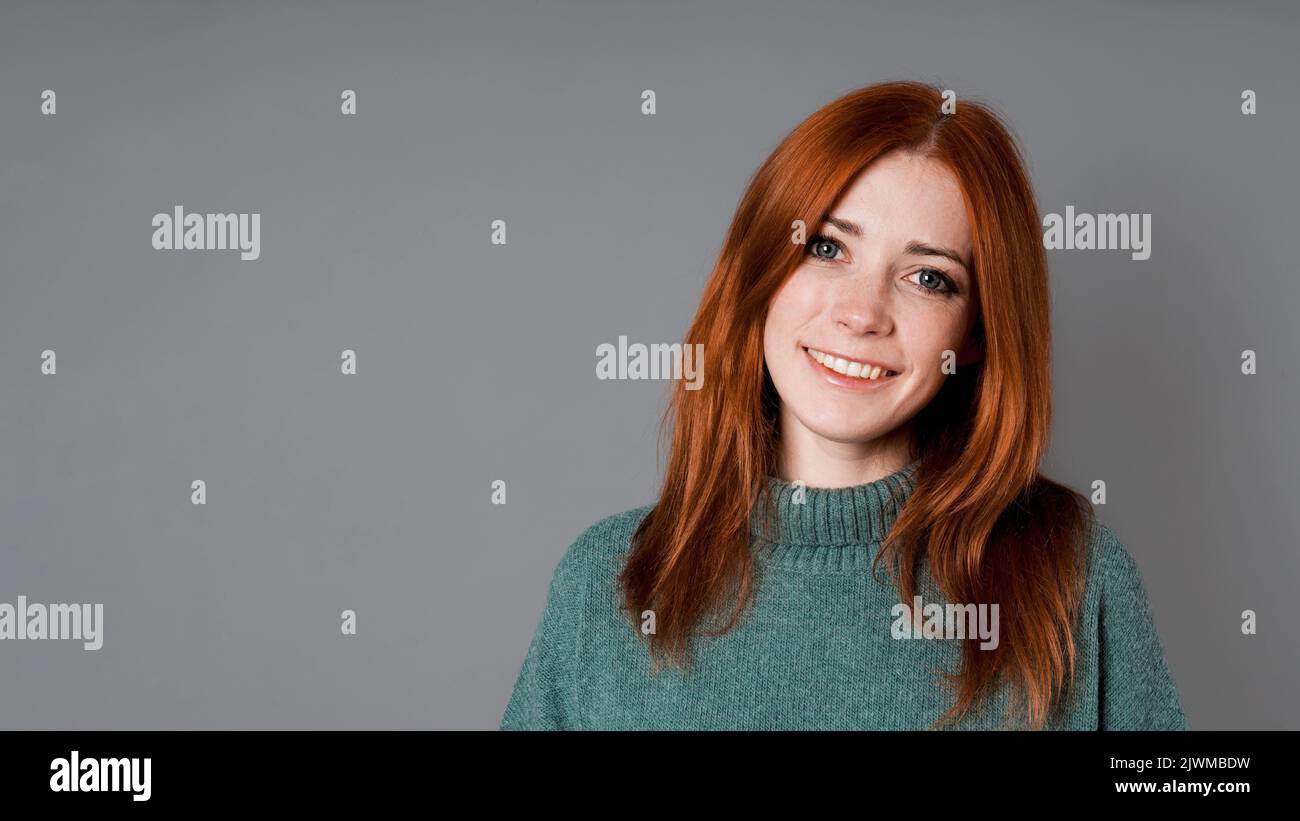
(991, 528)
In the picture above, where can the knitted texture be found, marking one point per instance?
(816, 650)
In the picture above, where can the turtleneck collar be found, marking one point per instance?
(859, 515)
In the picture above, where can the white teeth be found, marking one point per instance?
(861, 370)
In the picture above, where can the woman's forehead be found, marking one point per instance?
(904, 194)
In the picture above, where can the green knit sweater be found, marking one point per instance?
(818, 650)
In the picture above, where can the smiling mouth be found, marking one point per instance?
(853, 368)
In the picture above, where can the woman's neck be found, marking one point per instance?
(807, 457)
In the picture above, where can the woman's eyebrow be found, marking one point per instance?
(847, 226)
(921, 249)
(914, 247)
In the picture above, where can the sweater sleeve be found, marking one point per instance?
(545, 693)
(1137, 688)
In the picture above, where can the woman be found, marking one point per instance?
(877, 397)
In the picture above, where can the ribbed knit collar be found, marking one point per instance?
(858, 515)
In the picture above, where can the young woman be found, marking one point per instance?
(877, 396)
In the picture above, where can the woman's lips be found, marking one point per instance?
(856, 383)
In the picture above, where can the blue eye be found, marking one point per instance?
(935, 283)
(823, 243)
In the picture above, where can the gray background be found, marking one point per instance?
(477, 362)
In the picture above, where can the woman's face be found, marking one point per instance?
(876, 293)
